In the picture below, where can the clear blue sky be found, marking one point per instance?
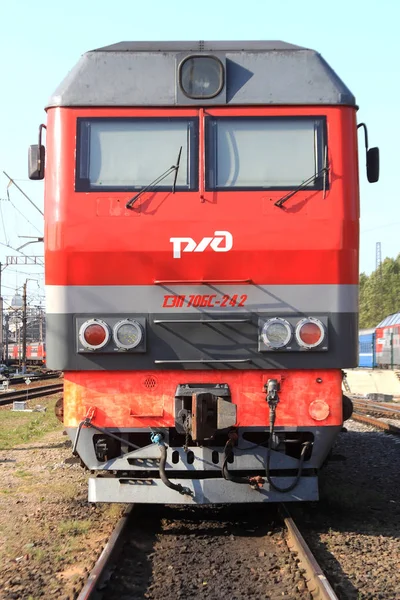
(41, 41)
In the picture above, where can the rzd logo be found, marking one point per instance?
(213, 242)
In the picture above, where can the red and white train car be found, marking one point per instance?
(387, 342)
(35, 353)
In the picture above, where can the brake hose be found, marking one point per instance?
(256, 482)
(228, 451)
(163, 475)
(273, 399)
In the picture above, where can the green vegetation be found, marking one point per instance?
(74, 527)
(20, 427)
(380, 293)
(21, 473)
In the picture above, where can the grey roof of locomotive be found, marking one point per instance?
(256, 73)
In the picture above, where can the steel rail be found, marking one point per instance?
(33, 377)
(36, 392)
(372, 406)
(98, 574)
(317, 583)
(376, 423)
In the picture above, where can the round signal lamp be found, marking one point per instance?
(127, 334)
(94, 334)
(276, 333)
(310, 333)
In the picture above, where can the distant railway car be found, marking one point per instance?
(35, 353)
(388, 342)
(366, 348)
(202, 226)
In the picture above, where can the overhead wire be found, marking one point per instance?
(2, 220)
(380, 227)
(36, 262)
(22, 214)
(23, 253)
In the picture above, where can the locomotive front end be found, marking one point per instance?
(201, 207)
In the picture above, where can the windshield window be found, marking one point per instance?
(259, 153)
(127, 154)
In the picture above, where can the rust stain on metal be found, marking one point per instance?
(376, 423)
(59, 409)
(316, 580)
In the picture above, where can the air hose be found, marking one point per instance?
(87, 422)
(163, 475)
(255, 482)
(273, 399)
(228, 451)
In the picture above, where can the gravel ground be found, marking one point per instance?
(218, 553)
(395, 422)
(354, 530)
(50, 537)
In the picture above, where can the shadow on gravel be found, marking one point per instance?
(354, 528)
(245, 520)
(136, 557)
(189, 551)
(362, 491)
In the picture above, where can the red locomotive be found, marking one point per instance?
(202, 208)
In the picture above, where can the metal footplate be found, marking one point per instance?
(204, 491)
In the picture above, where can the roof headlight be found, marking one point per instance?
(127, 334)
(310, 332)
(94, 334)
(276, 333)
(201, 76)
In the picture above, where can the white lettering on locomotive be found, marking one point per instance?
(213, 242)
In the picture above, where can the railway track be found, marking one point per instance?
(376, 407)
(30, 394)
(32, 376)
(373, 413)
(378, 423)
(168, 551)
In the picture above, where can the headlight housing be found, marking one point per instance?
(310, 332)
(276, 333)
(127, 334)
(94, 334)
(201, 77)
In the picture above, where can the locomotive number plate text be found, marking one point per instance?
(205, 301)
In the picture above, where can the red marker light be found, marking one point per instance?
(95, 335)
(310, 333)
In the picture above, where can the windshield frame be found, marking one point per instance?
(83, 184)
(320, 152)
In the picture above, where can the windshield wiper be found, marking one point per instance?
(158, 180)
(305, 183)
(178, 162)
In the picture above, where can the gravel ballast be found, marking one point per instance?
(219, 553)
(50, 536)
(354, 530)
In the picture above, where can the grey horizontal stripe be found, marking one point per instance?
(150, 298)
(208, 342)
